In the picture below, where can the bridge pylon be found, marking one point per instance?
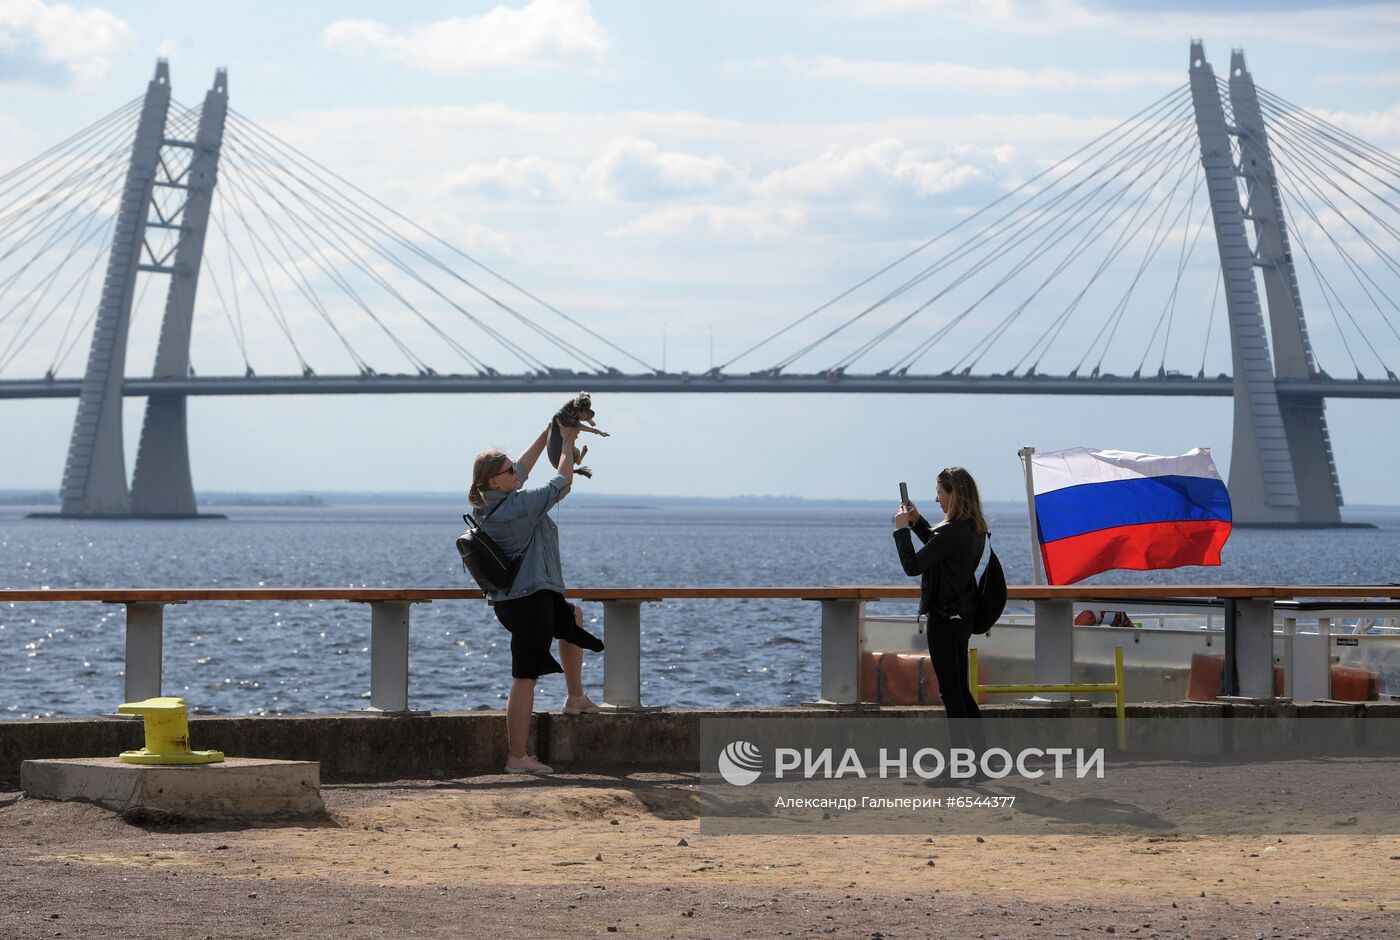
(1304, 422)
(161, 484)
(1281, 466)
(94, 479)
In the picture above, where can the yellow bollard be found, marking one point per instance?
(167, 734)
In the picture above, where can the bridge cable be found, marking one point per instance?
(1169, 307)
(256, 241)
(343, 249)
(327, 270)
(1311, 155)
(1155, 242)
(273, 309)
(77, 183)
(217, 210)
(98, 137)
(76, 165)
(1355, 267)
(339, 206)
(1326, 289)
(1210, 321)
(228, 315)
(1322, 142)
(61, 229)
(1352, 266)
(1341, 136)
(29, 167)
(330, 225)
(1031, 224)
(1359, 270)
(986, 343)
(17, 344)
(1053, 332)
(302, 159)
(103, 248)
(902, 365)
(359, 233)
(1037, 220)
(303, 284)
(1096, 231)
(1174, 93)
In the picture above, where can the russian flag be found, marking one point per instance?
(1102, 509)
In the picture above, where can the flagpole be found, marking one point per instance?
(1025, 453)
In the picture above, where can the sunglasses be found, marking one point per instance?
(508, 468)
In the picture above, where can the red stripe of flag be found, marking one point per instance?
(1138, 547)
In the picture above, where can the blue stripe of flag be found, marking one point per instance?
(1090, 507)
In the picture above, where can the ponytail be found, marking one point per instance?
(488, 463)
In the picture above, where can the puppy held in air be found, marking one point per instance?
(576, 413)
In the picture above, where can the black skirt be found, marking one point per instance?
(534, 622)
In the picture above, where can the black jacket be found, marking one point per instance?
(947, 566)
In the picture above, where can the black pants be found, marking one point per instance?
(947, 644)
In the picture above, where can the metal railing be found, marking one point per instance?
(1248, 614)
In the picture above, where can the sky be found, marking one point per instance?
(686, 179)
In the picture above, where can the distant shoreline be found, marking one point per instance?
(581, 498)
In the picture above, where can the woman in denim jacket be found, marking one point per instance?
(532, 607)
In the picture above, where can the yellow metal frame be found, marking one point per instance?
(1116, 687)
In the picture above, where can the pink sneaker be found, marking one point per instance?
(583, 705)
(529, 764)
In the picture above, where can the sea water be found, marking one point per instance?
(297, 657)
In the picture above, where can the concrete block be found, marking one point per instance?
(237, 787)
(1263, 730)
(1175, 731)
(1330, 728)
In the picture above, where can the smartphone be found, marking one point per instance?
(904, 492)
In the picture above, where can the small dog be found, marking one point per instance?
(577, 413)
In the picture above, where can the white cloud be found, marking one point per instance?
(542, 33)
(1369, 26)
(949, 75)
(530, 177)
(635, 169)
(754, 222)
(863, 171)
(56, 44)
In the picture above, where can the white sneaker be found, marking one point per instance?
(583, 705)
(529, 764)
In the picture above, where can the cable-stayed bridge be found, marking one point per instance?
(1049, 289)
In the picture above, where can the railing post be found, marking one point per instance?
(1249, 649)
(1054, 646)
(622, 654)
(841, 651)
(388, 656)
(144, 649)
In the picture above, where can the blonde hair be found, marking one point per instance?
(488, 464)
(963, 503)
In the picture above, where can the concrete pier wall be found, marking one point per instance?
(364, 745)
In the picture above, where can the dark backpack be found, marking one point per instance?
(492, 569)
(991, 594)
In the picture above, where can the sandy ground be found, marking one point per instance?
(584, 855)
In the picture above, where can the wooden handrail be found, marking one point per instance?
(869, 592)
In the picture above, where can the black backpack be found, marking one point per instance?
(991, 594)
(492, 569)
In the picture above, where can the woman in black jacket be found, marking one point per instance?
(947, 566)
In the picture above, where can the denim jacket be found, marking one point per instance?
(513, 518)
